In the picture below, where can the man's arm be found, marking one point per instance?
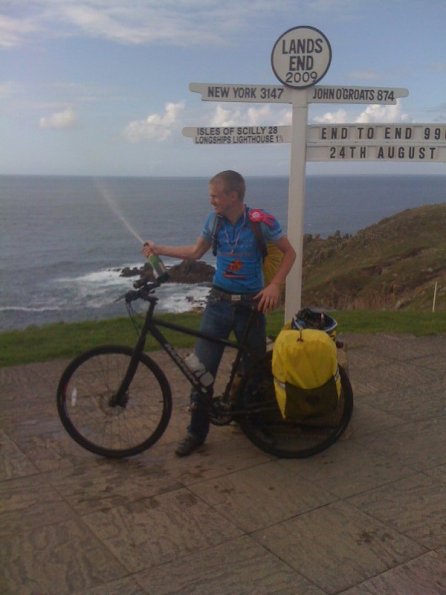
(194, 251)
(269, 297)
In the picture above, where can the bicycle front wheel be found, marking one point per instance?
(267, 429)
(86, 409)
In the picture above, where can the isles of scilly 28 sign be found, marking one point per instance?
(301, 57)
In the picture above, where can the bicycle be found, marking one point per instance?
(116, 401)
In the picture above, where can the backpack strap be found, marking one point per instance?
(257, 231)
(255, 227)
(215, 230)
(256, 216)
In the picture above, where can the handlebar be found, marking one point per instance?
(143, 283)
(143, 290)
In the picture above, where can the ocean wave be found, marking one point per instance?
(101, 288)
(30, 309)
(103, 276)
(181, 297)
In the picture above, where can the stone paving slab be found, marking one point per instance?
(365, 516)
(13, 462)
(414, 506)
(30, 502)
(425, 575)
(56, 558)
(348, 469)
(159, 529)
(420, 445)
(232, 496)
(338, 546)
(241, 566)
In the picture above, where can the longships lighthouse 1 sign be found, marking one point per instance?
(300, 58)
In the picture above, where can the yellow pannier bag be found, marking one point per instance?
(306, 375)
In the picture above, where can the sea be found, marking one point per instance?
(65, 240)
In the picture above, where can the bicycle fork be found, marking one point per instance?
(121, 397)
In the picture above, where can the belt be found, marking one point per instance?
(231, 297)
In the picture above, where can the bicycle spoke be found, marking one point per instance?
(89, 414)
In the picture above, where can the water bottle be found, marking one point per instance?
(159, 270)
(198, 369)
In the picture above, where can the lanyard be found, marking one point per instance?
(236, 234)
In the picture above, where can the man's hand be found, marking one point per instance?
(148, 248)
(269, 298)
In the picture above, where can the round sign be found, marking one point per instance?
(301, 57)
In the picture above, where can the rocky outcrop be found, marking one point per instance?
(188, 271)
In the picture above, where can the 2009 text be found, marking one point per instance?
(301, 77)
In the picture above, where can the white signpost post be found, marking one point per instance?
(300, 59)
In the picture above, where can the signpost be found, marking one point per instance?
(239, 135)
(379, 142)
(237, 92)
(381, 95)
(365, 152)
(243, 93)
(382, 133)
(300, 58)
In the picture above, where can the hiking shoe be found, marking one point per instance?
(187, 445)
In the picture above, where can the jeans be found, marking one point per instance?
(219, 319)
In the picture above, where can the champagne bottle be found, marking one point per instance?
(159, 269)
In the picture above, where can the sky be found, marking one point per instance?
(101, 87)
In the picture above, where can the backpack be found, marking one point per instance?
(272, 256)
(306, 374)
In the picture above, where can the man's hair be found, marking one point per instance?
(232, 182)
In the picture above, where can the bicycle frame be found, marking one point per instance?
(151, 327)
(88, 418)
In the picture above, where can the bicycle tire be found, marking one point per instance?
(83, 402)
(267, 430)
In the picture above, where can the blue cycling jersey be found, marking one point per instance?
(239, 260)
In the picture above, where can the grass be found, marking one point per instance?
(61, 340)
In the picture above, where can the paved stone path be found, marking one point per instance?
(366, 516)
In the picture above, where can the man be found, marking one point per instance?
(238, 279)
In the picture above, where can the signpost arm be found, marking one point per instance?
(296, 200)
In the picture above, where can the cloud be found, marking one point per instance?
(13, 31)
(365, 75)
(249, 116)
(282, 116)
(383, 113)
(179, 22)
(338, 117)
(156, 126)
(7, 89)
(439, 67)
(372, 113)
(59, 120)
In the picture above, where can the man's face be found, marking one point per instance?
(220, 199)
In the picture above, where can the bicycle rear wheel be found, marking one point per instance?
(84, 402)
(266, 428)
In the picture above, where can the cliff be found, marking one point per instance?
(393, 264)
